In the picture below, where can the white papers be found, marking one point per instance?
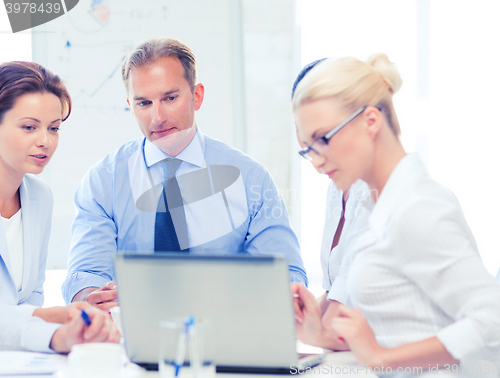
(14, 362)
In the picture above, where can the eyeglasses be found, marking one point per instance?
(320, 144)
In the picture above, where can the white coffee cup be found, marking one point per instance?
(96, 360)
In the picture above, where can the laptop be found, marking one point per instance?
(247, 299)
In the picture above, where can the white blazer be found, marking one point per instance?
(18, 328)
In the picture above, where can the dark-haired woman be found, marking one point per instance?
(33, 104)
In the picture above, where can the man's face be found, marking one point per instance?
(163, 104)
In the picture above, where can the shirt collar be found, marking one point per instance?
(359, 194)
(400, 182)
(192, 154)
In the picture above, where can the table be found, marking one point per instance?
(337, 364)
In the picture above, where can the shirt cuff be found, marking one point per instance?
(26, 309)
(298, 277)
(78, 281)
(326, 283)
(460, 338)
(37, 335)
(338, 291)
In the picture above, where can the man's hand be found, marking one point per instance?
(102, 329)
(308, 321)
(298, 305)
(104, 298)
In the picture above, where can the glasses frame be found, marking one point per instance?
(305, 152)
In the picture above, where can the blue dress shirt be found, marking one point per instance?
(230, 201)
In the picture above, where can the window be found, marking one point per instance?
(446, 56)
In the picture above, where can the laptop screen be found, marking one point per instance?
(247, 299)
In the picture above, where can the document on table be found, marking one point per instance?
(14, 362)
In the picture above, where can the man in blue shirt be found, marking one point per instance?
(176, 189)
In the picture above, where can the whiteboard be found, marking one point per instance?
(86, 47)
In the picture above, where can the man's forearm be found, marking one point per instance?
(82, 295)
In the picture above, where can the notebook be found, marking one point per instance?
(247, 299)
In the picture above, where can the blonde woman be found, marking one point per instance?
(421, 294)
(346, 218)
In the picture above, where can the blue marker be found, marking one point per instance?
(86, 318)
(181, 345)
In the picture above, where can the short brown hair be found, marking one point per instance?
(154, 49)
(20, 78)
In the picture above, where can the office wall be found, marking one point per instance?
(247, 53)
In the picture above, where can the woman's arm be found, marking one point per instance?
(437, 252)
(60, 314)
(38, 204)
(354, 328)
(323, 302)
(101, 329)
(308, 321)
(418, 354)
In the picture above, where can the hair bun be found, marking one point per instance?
(381, 63)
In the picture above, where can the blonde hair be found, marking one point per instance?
(354, 83)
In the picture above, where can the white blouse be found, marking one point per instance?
(333, 262)
(416, 273)
(13, 227)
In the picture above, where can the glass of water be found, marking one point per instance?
(185, 350)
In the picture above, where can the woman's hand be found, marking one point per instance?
(355, 330)
(61, 314)
(101, 329)
(308, 321)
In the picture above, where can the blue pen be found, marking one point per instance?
(181, 346)
(86, 318)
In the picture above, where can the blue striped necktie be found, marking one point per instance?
(170, 223)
